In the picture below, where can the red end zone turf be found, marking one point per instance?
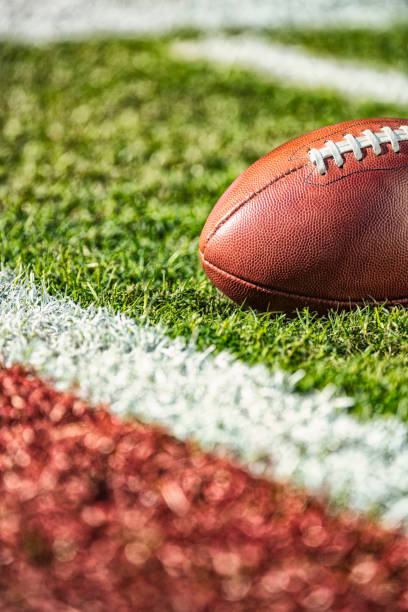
(97, 514)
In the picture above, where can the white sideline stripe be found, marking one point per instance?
(293, 65)
(42, 20)
(221, 402)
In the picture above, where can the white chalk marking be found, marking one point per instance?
(218, 400)
(295, 66)
(42, 20)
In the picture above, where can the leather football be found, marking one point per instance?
(321, 221)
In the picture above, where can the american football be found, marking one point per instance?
(161, 448)
(320, 221)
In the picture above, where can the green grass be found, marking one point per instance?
(111, 157)
(387, 47)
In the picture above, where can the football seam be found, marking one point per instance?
(248, 199)
(340, 131)
(325, 301)
(340, 178)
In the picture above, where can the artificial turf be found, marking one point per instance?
(111, 157)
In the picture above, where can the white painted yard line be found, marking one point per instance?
(292, 65)
(217, 400)
(55, 19)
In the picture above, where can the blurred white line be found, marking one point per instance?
(293, 65)
(42, 20)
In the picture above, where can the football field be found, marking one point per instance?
(160, 447)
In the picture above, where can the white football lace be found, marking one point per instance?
(351, 144)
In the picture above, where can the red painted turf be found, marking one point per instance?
(97, 515)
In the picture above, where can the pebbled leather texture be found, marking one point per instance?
(284, 236)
